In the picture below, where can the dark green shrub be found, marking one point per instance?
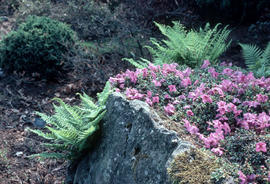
(38, 46)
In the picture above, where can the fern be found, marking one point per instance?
(257, 60)
(71, 126)
(189, 47)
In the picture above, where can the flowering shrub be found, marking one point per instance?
(223, 107)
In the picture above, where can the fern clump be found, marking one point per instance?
(257, 60)
(71, 127)
(189, 47)
(39, 45)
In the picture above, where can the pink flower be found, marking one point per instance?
(261, 98)
(149, 101)
(144, 72)
(186, 82)
(157, 83)
(190, 113)
(191, 129)
(155, 99)
(242, 177)
(217, 151)
(153, 67)
(261, 146)
(149, 94)
(206, 99)
(213, 72)
(206, 63)
(167, 96)
(227, 71)
(218, 91)
(187, 72)
(169, 109)
(172, 88)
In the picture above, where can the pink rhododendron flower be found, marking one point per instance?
(166, 96)
(217, 90)
(149, 101)
(144, 72)
(191, 129)
(187, 72)
(217, 151)
(155, 99)
(157, 83)
(186, 82)
(213, 72)
(182, 97)
(169, 109)
(261, 98)
(196, 82)
(190, 113)
(242, 177)
(153, 67)
(149, 94)
(133, 94)
(206, 99)
(227, 71)
(172, 88)
(186, 107)
(261, 146)
(205, 64)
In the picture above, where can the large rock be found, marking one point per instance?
(134, 148)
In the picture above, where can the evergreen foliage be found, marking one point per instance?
(189, 47)
(257, 60)
(39, 45)
(71, 128)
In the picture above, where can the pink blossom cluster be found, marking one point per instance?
(235, 100)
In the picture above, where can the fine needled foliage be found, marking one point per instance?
(71, 127)
(189, 47)
(257, 60)
(39, 45)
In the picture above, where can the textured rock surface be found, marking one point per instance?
(133, 149)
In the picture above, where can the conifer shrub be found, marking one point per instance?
(39, 45)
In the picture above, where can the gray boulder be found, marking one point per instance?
(133, 148)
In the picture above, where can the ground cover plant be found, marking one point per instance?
(224, 108)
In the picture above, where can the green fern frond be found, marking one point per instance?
(71, 126)
(103, 96)
(257, 60)
(138, 64)
(45, 155)
(252, 55)
(189, 47)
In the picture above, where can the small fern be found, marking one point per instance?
(71, 127)
(189, 47)
(257, 61)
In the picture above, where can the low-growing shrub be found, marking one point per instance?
(40, 45)
(257, 61)
(71, 128)
(215, 104)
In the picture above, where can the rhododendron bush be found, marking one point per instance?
(224, 108)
